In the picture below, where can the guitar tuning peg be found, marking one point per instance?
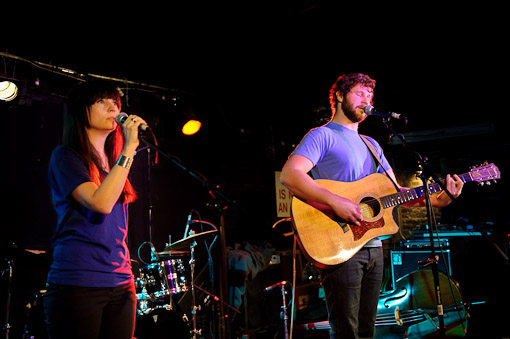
(481, 183)
(495, 181)
(488, 183)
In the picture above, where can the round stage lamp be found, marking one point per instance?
(191, 127)
(8, 90)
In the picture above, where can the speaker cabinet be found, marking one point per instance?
(405, 262)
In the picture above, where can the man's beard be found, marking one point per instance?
(352, 113)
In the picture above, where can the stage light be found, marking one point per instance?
(8, 90)
(191, 123)
(191, 127)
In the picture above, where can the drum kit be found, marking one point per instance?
(166, 277)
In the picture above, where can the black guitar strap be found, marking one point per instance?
(378, 160)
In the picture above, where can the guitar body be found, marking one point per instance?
(325, 239)
(328, 241)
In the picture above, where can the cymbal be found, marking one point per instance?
(13, 252)
(21, 255)
(172, 254)
(186, 242)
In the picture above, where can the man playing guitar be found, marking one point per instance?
(337, 152)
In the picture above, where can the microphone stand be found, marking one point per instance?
(7, 327)
(283, 313)
(424, 174)
(222, 202)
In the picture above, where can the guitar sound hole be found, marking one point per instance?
(370, 207)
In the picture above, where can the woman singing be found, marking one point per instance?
(91, 291)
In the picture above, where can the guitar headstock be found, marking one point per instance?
(485, 173)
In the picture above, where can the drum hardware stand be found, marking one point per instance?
(222, 202)
(7, 326)
(194, 308)
(424, 173)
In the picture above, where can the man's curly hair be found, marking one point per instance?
(345, 83)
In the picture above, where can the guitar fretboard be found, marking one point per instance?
(416, 193)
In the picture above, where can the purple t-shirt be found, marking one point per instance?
(338, 153)
(89, 248)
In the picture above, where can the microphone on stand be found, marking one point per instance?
(275, 285)
(188, 222)
(121, 117)
(370, 110)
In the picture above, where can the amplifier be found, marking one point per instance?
(425, 243)
(405, 262)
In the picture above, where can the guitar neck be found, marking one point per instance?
(416, 193)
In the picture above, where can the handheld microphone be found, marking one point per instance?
(121, 117)
(370, 110)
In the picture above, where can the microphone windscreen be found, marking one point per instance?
(121, 117)
(368, 109)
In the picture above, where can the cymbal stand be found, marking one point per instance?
(221, 202)
(193, 300)
(7, 326)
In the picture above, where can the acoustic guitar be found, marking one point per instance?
(326, 240)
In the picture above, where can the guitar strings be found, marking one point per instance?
(403, 196)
